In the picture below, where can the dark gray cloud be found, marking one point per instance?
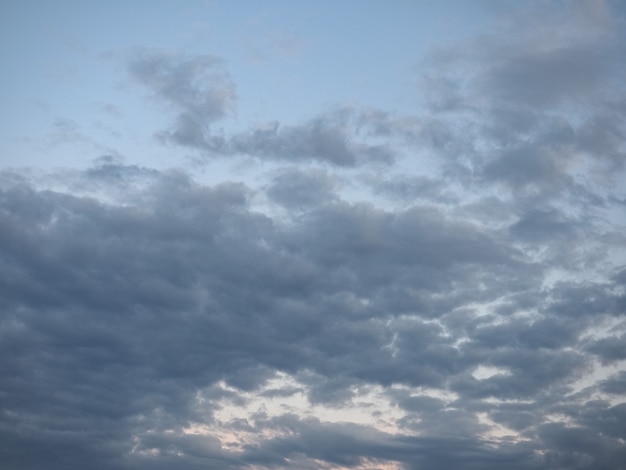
(119, 314)
(472, 317)
(615, 384)
(609, 349)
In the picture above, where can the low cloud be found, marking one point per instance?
(438, 290)
(131, 312)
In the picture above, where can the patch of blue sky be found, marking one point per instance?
(289, 62)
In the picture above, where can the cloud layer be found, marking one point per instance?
(464, 308)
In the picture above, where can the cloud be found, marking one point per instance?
(295, 189)
(410, 188)
(198, 89)
(329, 138)
(123, 318)
(200, 92)
(471, 318)
(531, 95)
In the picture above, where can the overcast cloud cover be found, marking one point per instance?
(345, 235)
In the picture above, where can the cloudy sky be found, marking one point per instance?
(313, 235)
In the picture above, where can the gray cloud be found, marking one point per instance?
(295, 189)
(532, 100)
(329, 138)
(411, 188)
(198, 89)
(473, 318)
(126, 311)
(200, 92)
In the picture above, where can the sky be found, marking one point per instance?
(313, 235)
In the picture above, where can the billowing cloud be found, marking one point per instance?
(532, 100)
(443, 289)
(135, 314)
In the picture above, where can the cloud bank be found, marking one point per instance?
(439, 290)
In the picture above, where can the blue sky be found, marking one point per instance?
(313, 235)
(287, 61)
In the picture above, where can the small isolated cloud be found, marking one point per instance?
(199, 91)
(197, 88)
